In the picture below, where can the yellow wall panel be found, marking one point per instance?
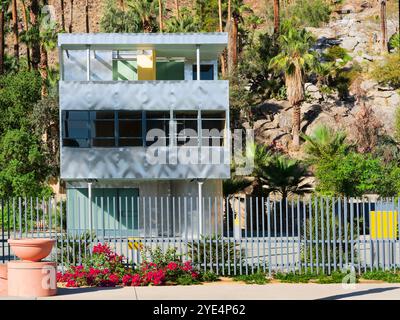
(383, 224)
(146, 65)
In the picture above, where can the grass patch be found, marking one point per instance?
(209, 276)
(294, 277)
(384, 275)
(255, 278)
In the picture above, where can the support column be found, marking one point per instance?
(200, 205)
(198, 61)
(88, 63)
(90, 206)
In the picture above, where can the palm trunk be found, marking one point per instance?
(160, 10)
(34, 16)
(87, 16)
(26, 23)
(14, 12)
(233, 46)
(220, 15)
(384, 26)
(222, 56)
(43, 69)
(296, 125)
(2, 40)
(71, 16)
(62, 15)
(177, 8)
(276, 16)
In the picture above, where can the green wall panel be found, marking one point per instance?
(106, 203)
(170, 70)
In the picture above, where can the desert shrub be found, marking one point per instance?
(205, 251)
(387, 72)
(394, 42)
(311, 13)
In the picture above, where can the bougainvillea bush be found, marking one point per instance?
(105, 268)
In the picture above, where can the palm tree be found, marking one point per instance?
(34, 37)
(222, 57)
(185, 23)
(285, 176)
(26, 27)
(48, 41)
(324, 144)
(384, 26)
(14, 12)
(293, 60)
(146, 10)
(276, 16)
(238, 9)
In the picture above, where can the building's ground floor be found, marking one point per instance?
(144, 208)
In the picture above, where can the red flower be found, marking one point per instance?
(114, 278)
(71, 283)
(187, 266)
(136, 280)
(172, 266)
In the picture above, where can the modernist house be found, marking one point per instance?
(135, 112)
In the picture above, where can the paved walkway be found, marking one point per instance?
(217, 291)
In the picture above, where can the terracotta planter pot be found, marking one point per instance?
(31, 249)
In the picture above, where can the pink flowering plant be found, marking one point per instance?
(105, 268)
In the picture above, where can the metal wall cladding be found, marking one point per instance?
(134, 163)
(145, 95)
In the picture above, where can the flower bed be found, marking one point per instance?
(105, 268)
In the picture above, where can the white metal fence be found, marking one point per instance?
(229, 236)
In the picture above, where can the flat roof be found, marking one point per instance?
(169, 44)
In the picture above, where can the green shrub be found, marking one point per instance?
(334, 277)
(186, 280)
(294, 277)
(255, 278)
(209, 276)
(394, 42)
(204, 251)
(387, 72)
(384, 275)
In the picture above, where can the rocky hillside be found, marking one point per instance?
(355, 28)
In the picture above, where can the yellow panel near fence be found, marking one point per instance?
(383, 224)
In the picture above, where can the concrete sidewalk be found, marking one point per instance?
(215, 291)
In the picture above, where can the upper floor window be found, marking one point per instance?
(206, 72)
(84, 129)
(75, 65)
(76, 129)
(103, 130)
(186, 128)
(130, 129)
(157, 128)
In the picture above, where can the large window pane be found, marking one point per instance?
(124, 65)
(130, 128)
(101, 68)
(212, 125)
(75, 65)
(206, 72)
(186, 128)
(158, 120)
(103, 128)
(76, 129)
